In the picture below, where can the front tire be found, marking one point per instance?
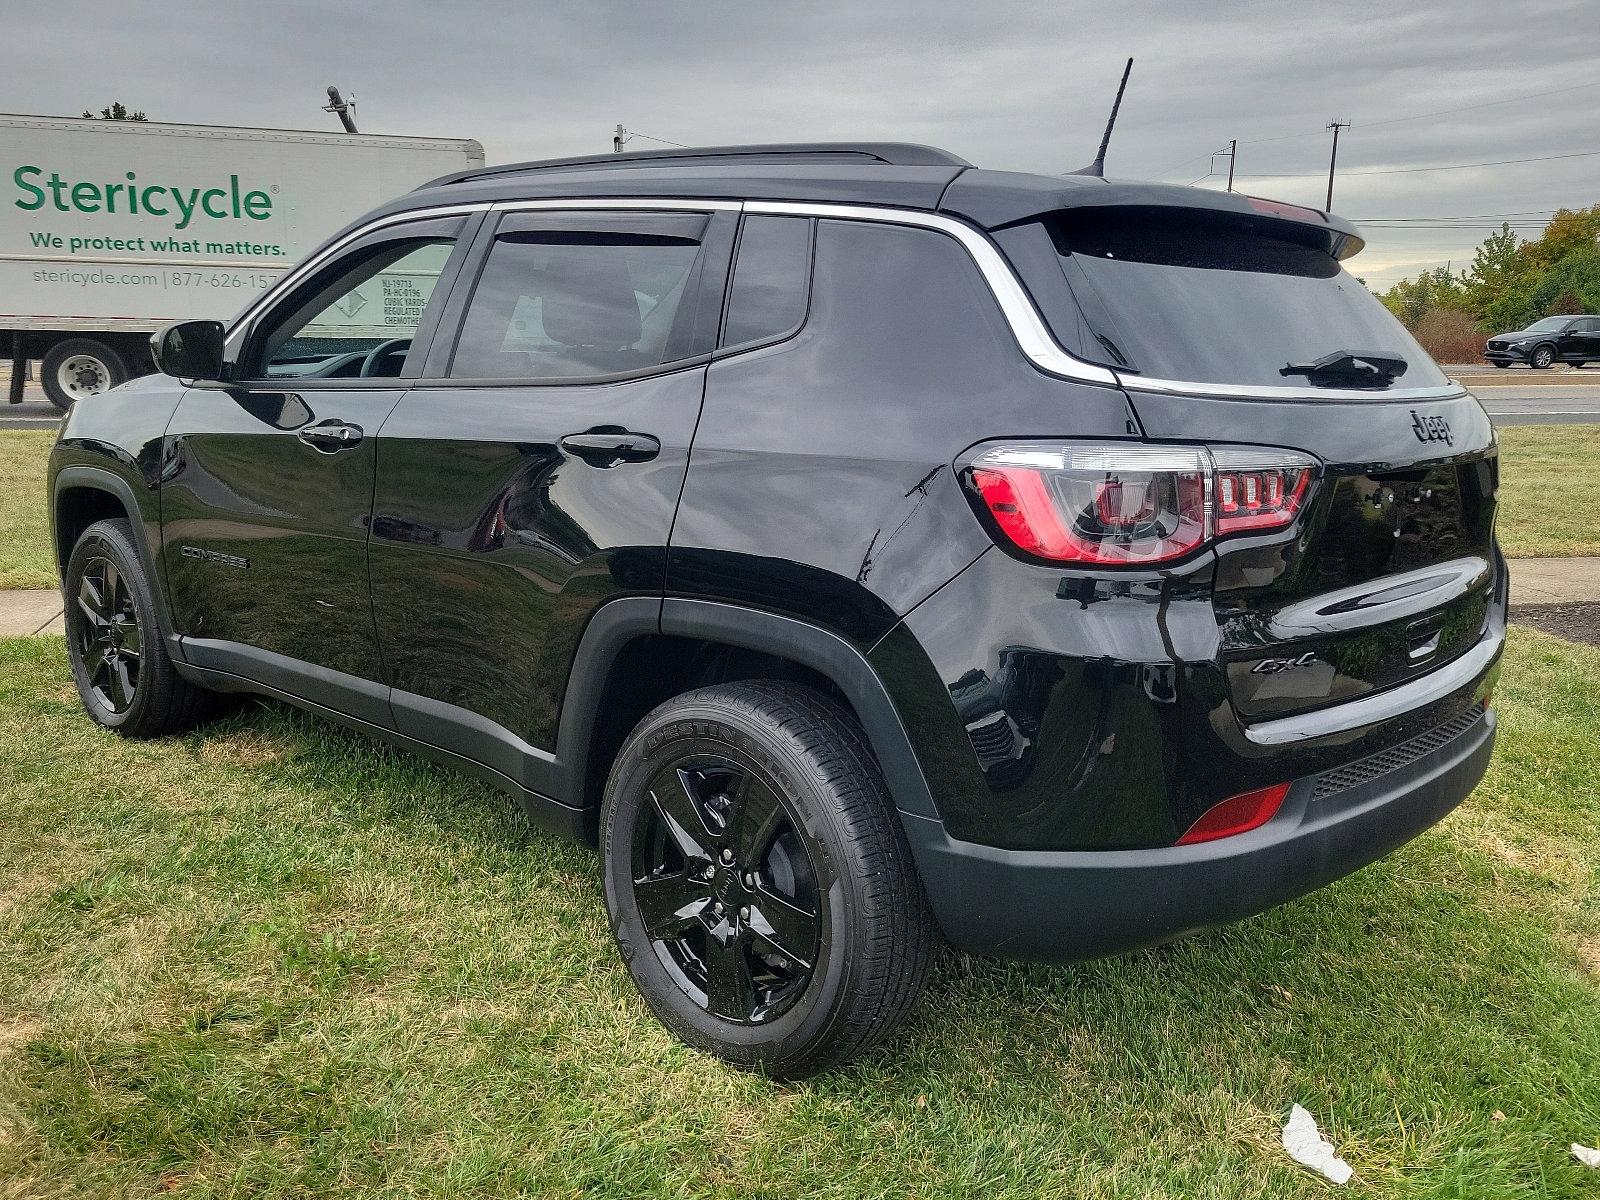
(1541, 358)
(119, 662)
(760, 887)
(1502, 365)
(79, 367)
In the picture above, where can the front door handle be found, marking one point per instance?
(330, 437)
(607, 446)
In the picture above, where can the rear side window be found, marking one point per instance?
(771, 280)
(1194, 298)
(568, 299)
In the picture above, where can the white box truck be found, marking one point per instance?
(111, 229)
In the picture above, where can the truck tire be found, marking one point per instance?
(759, 883)
(80, 367)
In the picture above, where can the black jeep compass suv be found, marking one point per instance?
(859, 546)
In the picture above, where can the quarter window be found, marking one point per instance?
(771, 280)
(565, 298)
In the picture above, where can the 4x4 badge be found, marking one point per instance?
(1431, 429)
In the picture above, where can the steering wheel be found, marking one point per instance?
(369, 365)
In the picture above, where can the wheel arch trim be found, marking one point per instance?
(86, 478)
(620, 622)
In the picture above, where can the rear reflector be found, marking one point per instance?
(1134, 503)
(1236, 814)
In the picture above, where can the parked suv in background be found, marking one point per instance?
(1574, 340)
(856, 544)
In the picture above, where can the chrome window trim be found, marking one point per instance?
(294, 275)
(1034, 336)
(1027, 326)
(1138, 383)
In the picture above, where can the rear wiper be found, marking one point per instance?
(1352, 368)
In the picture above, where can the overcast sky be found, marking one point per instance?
(1017, 84)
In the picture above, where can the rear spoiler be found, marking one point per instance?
(995, 199)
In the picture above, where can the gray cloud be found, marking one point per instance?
(1017, 84)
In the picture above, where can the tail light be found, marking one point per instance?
(1236, 814)
(1133, 503)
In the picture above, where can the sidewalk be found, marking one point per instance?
(25, 613)
(1554, 581)
(1533, 581)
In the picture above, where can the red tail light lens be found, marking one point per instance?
(1091, 504)
(1134, 503)
(1258, 490)
(1236, 814)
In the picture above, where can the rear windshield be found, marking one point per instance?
(1198, 298)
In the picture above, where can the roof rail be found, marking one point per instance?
(896, 154)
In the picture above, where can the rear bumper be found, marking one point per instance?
(1058, 906)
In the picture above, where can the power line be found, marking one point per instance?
(1527, 212)
(1445, 112)
(1502, 162)
(633, 133)
(1441, 112)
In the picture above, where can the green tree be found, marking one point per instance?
(1512, 283)
(1439, 288)
(1569, 231)
(1498, 267)
(1571, 286)
(117, 112)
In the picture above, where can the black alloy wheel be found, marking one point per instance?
(109, 640)
(726, 888)
(759, 882)
(120, 664)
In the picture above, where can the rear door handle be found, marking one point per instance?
(330, 437)
(606, 447)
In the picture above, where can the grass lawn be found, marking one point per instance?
(273, 959)
(25, 559)
(1550, 491)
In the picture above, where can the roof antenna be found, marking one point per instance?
(1098, 167)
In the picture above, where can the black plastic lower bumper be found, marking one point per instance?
(1506, 356)
(1059, 906)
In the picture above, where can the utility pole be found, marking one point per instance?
(1333, 158)
(616, 140)
(346, 112)
(1233, 151)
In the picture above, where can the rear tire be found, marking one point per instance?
(759, 884)
(1542, 357)
(80, 367)
(120, 664)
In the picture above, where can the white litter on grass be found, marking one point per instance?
(1306, 1145)
(1587, 1155)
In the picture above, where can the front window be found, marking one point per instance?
(1548, 325)
(358, 321)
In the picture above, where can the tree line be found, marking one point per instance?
(1511, 283)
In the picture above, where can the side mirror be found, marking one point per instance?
(190, 350)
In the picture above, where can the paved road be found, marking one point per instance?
(1512, 398)
(1540, 404)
